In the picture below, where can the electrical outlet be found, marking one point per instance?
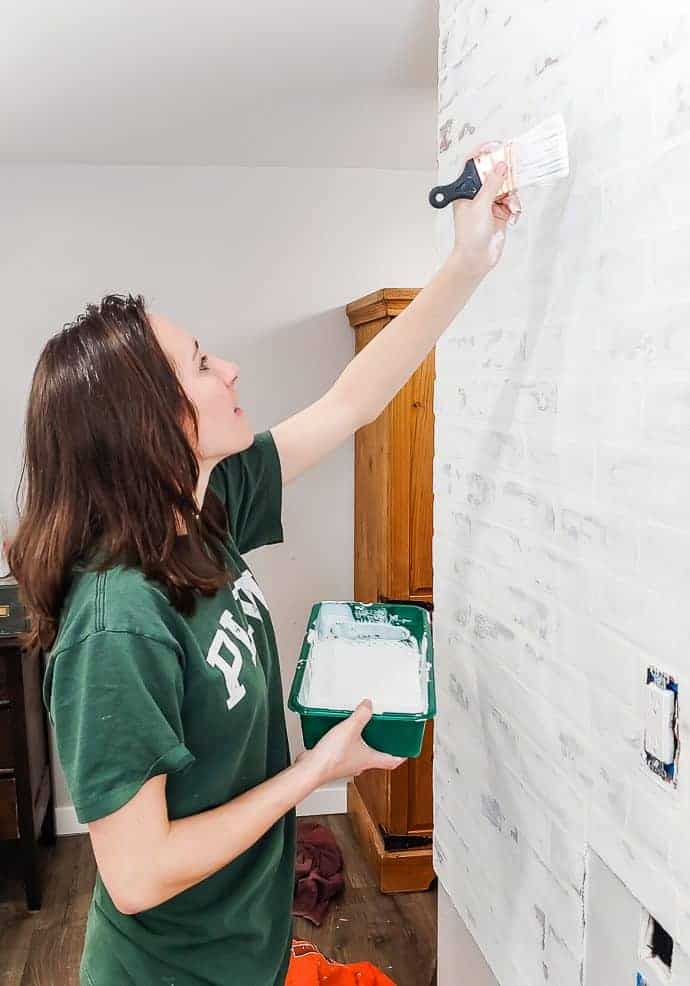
(661, 724)
(659, 738)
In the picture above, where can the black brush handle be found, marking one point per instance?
(464, 187)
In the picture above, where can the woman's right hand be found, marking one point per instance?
(480, 223)
(343, 753)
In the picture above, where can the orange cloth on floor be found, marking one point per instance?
(308, 967)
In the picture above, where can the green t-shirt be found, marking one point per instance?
(135, 689)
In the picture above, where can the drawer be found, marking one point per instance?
(12, 612)
(6, 736)
(9, 826)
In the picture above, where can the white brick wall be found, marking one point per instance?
(562, 483)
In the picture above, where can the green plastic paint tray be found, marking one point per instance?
(398, 733)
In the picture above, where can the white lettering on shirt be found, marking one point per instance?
(246, 592)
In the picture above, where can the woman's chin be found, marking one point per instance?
(245, 434)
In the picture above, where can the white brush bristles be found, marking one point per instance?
(541, 153)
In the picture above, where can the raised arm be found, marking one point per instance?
(376, 374)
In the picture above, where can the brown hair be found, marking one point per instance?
(109, 468)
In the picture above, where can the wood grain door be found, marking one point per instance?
(393, 544)
(410, 488)
(370, 501)
(421, 480)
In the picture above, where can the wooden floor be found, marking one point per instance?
(395, 932)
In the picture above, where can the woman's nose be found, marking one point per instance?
(231, 373)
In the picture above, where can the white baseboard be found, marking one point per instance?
(66, 821)
(328, 800)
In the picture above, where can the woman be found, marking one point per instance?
(144, 486)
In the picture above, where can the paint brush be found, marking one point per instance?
(536, 156)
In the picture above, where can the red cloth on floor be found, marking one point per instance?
(308, 967)
(318, 871)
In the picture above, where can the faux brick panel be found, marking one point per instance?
(562, 484)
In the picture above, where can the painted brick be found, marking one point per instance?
(524, 508)
(671, 105)
(648, 335)
(596, 536)
(665, 556)
(561, 482)
(567, 858)
(651, 821)
(669, 254)
(667, 409)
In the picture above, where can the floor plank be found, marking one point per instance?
(395, 932)
(42, 948)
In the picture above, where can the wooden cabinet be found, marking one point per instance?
(392, 812)
(26, 800)
(393, 473)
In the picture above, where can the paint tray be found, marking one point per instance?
(398, 733)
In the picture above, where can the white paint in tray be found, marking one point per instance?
(354, 659)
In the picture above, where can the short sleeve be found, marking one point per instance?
(250, 485)
(115, 704)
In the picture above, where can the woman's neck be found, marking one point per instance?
(205, 470)
(206, 467)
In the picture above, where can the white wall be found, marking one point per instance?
(562, 471)
(458, 955)
(259, 263)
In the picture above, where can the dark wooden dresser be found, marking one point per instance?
(27, 809)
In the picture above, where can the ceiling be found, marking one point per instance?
(307, 83)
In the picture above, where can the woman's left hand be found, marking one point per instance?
(480, 223)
